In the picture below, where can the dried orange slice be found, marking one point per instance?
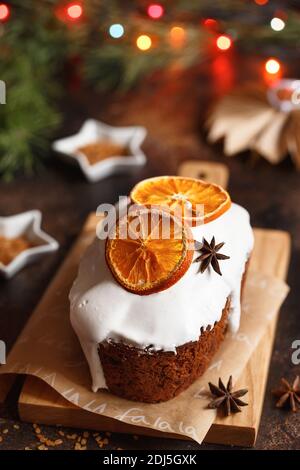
(197, 200)
(149, 251)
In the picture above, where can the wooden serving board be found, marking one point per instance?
(38, 402)
(6, 382)
(213, 172)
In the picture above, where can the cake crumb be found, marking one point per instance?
(42, 447)
(78, 446)
(101, 442)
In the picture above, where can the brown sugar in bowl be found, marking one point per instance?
(12, 247)
(100, 150)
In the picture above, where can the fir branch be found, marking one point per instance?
(35, 45)
(29, 61)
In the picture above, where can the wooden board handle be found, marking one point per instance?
(209, 171)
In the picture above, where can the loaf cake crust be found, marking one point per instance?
(156, 376)
(153, 377)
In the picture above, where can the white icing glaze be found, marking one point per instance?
(102, 310)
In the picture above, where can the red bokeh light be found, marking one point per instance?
(155, 11)
(261, 2)
(4, 12)
(210, 23)
(74, 11)
(223, 74)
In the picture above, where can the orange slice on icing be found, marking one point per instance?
(198, 201)
(148, 251)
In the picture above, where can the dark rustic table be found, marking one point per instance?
(173, 107)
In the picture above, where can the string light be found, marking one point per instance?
(177, 36)
(155, 11)
(210, 23)
(272, 66)
(74, 11)
(277, 24)
(222, 73)
(143, 42)
(4, 12)
(223, 42)
(116, 30)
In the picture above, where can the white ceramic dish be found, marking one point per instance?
(29, 225)
(131, 137)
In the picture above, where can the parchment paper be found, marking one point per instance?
(247, 120)
(48, 348)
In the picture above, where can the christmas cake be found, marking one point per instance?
(151, 310)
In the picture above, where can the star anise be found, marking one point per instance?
(226, 398)
(210, 255)
(288, 394)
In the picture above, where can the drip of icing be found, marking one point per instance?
(103, 310)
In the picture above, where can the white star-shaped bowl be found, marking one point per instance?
(91, 131)
(27, 224)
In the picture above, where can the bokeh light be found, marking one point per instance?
(4, 12)
(143, 42)
(116, 30)
(272, 66)
(223, 42)
(210, 23)
(261, 2)
(277, 24)
(155, 11)
(74, 11)
(177, 36)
